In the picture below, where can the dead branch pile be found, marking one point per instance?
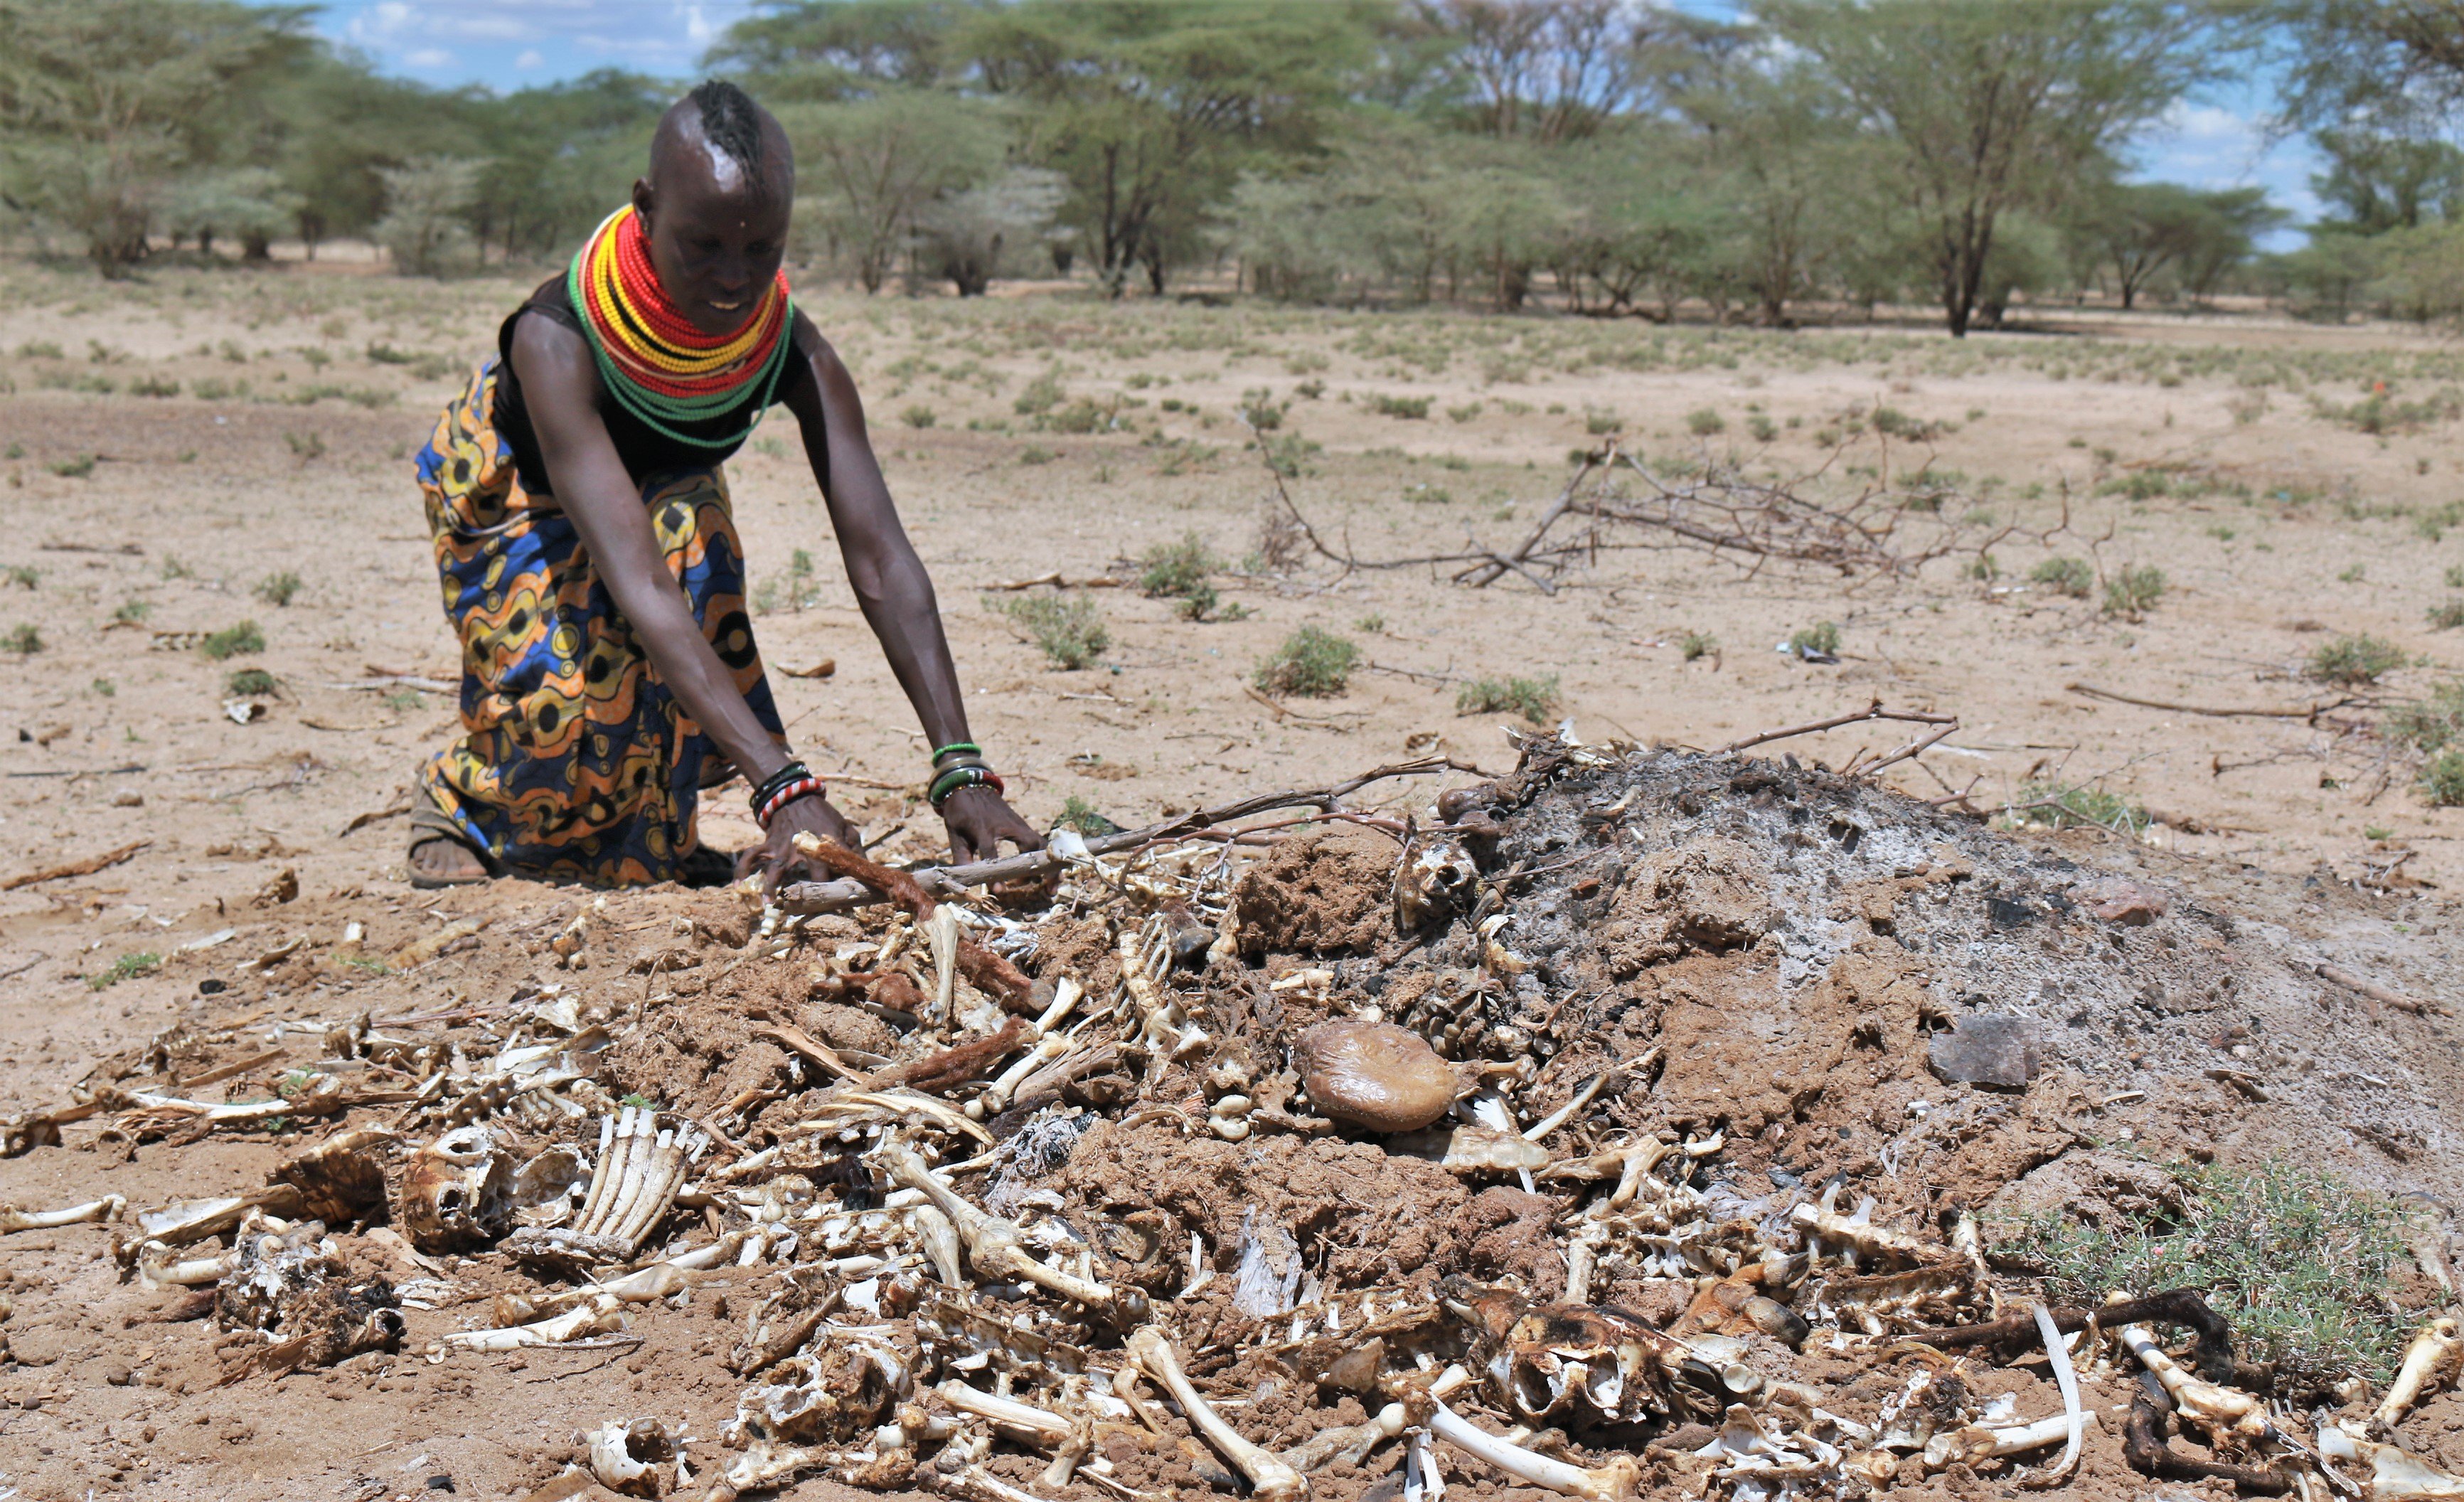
(1387, 1153)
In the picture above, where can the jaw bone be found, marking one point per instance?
(1270, 1477)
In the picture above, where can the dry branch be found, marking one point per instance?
(1873, 711)
(2312, 711)
(76, 868)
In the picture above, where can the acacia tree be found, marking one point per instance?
(105, 105)
(1992, 106)
(872, 167)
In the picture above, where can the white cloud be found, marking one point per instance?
(430, 58)
(529, 58)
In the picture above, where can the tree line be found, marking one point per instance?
(1613, 157)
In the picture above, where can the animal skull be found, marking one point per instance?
(457, 1193)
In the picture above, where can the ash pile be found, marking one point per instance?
(1624, 1125)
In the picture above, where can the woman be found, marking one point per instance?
(591, 568)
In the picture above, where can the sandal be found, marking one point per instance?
(428, 825)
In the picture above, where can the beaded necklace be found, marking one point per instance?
(656, 363)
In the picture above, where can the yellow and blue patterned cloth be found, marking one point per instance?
(576, 763)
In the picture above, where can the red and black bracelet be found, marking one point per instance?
(785, 793)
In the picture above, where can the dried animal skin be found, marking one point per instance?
(106, 1209)
(456, 1194)
(1473, 1150)
(2396, 1475)
(1373, 1074)
(2431, 1361)
(340, 1180)
(644, 1458)
(20, 1135)
(286, 1280)
(1270, 1477)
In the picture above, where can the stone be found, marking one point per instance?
(1988, 1048)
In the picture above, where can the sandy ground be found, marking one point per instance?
(143, 515)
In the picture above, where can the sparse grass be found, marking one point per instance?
(1696, 645)
(25, 576)
(1036, 453)
(1260, 409)
(173, 569)
(75, 469)
(1077, 813)
(2070, 576)
(1536, 699)
(234, 641)
(799, 590)
(1704, 422)
(25, 640)
(1410, 408)
(2134, 589)
(1371, 625)
(2448, 616)
(2355, 660)
(132, 612)
(1068, 629)
(1602, 421)
(1311, 663)
(2456, 576)
(2052, 805)
(2293, 1257)
(305, 446)
(919, 416)
(278, 589)
(1041, 395)
(2353, 574)
(1822, 639)
(2433, 724)
(127, 967)
(1468, 412)
(246, 681)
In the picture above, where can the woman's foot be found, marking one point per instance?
(436, 861)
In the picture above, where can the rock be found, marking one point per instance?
(1373, 1074)
(1996, 1049)
(2124, 903)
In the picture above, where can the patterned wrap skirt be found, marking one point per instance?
(576, 762)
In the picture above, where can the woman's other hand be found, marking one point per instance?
(980, 820)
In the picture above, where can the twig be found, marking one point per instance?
(2313, 712)
(831, 896)
(2371, 989)
(1873, 711)
(1480, 575)
(76, 868)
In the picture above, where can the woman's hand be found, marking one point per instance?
(979, 821)
(776, 857)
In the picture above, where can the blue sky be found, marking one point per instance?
(505, 44)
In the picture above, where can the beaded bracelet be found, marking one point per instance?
(970, 775)
(801, 787)
(792, 770)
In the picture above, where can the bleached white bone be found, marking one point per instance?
(1614, 1482)
(159, 1269)
(604, 1314)
(2430, 1362)
(1977, 1441)
(2396, 1475)
(1043, 1426)
(107, 1209)
(1309, 1454)
(994, 1247)
(1268, 1477)
(2226, 1410)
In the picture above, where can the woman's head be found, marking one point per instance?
(715, 205)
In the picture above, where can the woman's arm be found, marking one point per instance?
(560, 383)
(890, 584)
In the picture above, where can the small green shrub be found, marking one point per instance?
(1036, 453)
(2070, 576)
(802, 587)
(1260, 409)
(1371, 624)
(305, 446)
(127, 967)
(920, 415)
(1176, 570)
(40, 349)
(1536, 699)
(1695, 645)
(1410, 408)
(1704, 422)
(1468, 412)
(1077, 813)
(1310, 664)
(1068, 629)
(234, 641)
(2448, 616)
(24, 641)
(1602, 421)
(249, 681)
(2355, 660)
(278, 589)
(2456, 576)
(25, 576)
(2433, 724)
(1041, 395)
(75, 469)
(1081, 417)
(1822, 639)
(153, 385)
(2051, 806)
(2442, 780)
(2134, 590)
(1764, 429)
(173, 569)
(2293, 1256)
(132, 612)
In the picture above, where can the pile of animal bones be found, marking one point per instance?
(912, 1336)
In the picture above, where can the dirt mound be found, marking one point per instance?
(1321, 893)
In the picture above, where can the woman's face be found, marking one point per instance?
(716, 230)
